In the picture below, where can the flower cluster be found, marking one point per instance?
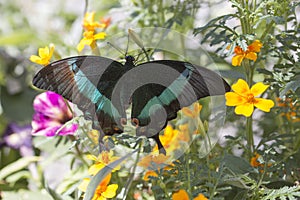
(289, 109)
(104, 190)
(250, 53)
(90, 35)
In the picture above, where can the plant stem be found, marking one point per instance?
(249, 135)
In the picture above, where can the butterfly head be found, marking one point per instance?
(129, 59)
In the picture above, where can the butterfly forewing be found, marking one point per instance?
(86, 81)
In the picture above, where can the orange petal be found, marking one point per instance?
(251, 56)
(258, 88)
(180, 195)
(237, 60)
(255, 46)
(241, 87)
(148, 174)
(244, 109)
(200, 197)
(233, 99)
(264, 104)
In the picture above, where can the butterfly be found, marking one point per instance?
(104, 89)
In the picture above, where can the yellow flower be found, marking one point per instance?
(103, 191)
(101, 161)
(89, 24)
(245, 99)
(90, 39)
(192, 113)
(250, 53)
(45, 54)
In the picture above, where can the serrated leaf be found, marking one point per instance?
(293, 85)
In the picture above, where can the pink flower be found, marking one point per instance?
(51, 113)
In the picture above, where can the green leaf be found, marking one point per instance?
(96, 180)
(18, 165)
(237, 165)
(293, 85)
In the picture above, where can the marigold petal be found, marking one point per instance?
(264, 104)
(52, 47)
(105, 181)
(36, 59)
(200, 197)
(84, 184)
(148, 174)
(251, 56)
(44, 52)
(255, 46)
(237, 60)
(244, 109)
(94, 169)
(233, 99)
(241, 87)
(258, 88)
(180, 195)
(100, 35)
(110, 191)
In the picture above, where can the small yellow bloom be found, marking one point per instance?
(89, 39)
(89, 23)
(245, 99)
(250, 53)
(45, 54)
(103, 191)
(101, 161)
(180, 195)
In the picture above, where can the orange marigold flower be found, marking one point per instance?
(89, 23)
(105, 22)
(180, 195)
(250, 53)
(290, 109)
(45, 55)
(103, 191)
(200, 197)
(90, 39)
(255, 163)
(245, 98)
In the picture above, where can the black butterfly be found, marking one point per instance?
(103, 89)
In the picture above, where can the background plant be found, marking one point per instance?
(259, 162)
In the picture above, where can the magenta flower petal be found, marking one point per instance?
(51, 113)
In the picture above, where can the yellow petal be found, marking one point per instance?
(100, 35)
(244, 109)
(237, 60)
(52, 47)
(35, 59)
(43, 52)
(83, 185)
(258, 88)
(82, 43)
(91, 157)
(251, 56)
(110, 191)
(180, 195)
(241, 87)
(233, 99)
(264, 104)
(148, 174)
(94, 169)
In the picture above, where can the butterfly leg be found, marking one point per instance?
(159, 144)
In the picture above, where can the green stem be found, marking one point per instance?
(249, 135)
(189, 188)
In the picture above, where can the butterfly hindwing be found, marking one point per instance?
(87, 82)
(183, 84)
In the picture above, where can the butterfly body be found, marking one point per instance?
(103, 89)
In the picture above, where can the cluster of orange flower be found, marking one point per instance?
(90, 35)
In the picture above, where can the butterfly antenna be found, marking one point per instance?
(117, 48)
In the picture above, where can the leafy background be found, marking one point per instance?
(226, 172)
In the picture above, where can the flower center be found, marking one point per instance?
(250, 98)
